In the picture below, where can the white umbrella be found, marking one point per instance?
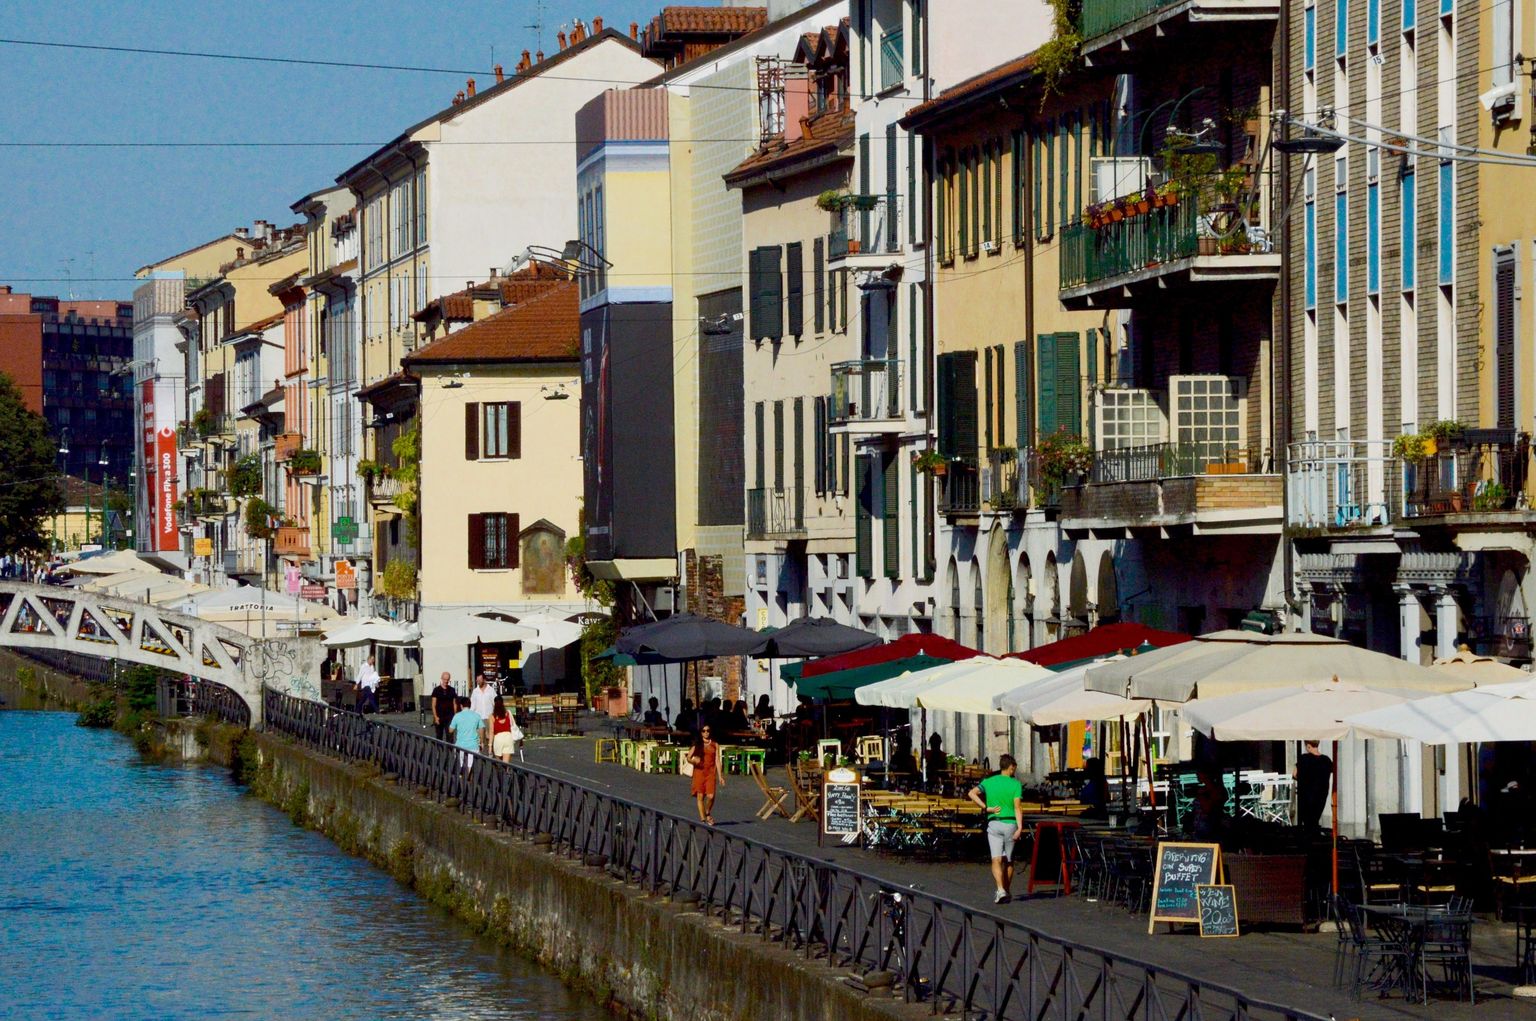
(1061, 698)
(976, 690)
(1312, 711)
(901, 692)
(1232, 661)
(372, 629)
(112, 563)
(552, 632)
(1498, 712)
(471, 629)
(1480, 670)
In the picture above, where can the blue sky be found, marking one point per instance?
(85, 218)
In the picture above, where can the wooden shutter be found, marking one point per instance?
(865, 172)
(476, 542)
(819, 283)
(514, 428)
(797, 434)
(864, 510)
(957, 405)
(892, 222)
(766, 283)
(472, 431)
(818, 446)
(1504, 338)
(1021, 393)
(890, 516)
(987, 431)
(514, 540)
(1045, 377)
(943, 188)
(795, 288)
(778, 445)
(760, 460)
(1069, 383)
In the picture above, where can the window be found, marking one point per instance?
(1016, 186)
(1409, 15)
(1447, 223)
(963, 208)
(1341, 30)
(760, 434)
(794, 268)
(1309, 237)
(986, 194)
(819, 444)
(1504, 41)
(1373, 21)
(421, 206)
(1504, 337)
(1408, 200)
(778, 445)
(492, 541)
(1340, 231)
(1372, 224)
(493, 430)
(1309, 47)
(767, 293)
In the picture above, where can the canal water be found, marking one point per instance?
(130, 890)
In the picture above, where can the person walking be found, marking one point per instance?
(368, 688)
(482, 698)
(445, 702)
(705, 759)
(1001, 796)
(1314, 776)
(467, 727)
(505, 733)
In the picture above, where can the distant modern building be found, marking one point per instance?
(66, 357)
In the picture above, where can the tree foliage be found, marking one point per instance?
(31, 492)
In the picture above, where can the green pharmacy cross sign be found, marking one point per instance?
(344, 530)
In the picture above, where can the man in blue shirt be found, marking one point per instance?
(466, 726)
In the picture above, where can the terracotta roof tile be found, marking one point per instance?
(711, 20)
(825, 134)
(957, 94)
(546, 327)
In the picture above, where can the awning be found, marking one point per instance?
(1104, 640)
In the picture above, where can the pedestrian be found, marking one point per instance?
(339, 682)
(653, 717)
(368, 688)
(482, 698)
(467, 726)
(1314, 776)
(444, 701)
(505, 733)
(1001, 796)
(705, 758)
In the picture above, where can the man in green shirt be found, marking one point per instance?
(1002, 797)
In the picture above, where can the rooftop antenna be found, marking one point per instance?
(69, 282)
(538, 23)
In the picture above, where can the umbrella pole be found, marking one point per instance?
(1146, 736)
(1335, 800)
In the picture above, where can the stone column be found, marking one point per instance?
(1446, 617)
(1411, 760)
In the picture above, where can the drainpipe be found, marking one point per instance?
(1281, 352)
(930, 354)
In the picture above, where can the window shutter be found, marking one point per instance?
(778, 445)
(819, 283)
(865, 172)
(472, 431)
(987, 432)
(514, 540)
(1069, 383)
(795, 288)
(797, 437)
(957, 405)
(818, 446)
(890, 514)
(767, 298)
(761, 475)
(891, 222)
(476, 542)
(1504, 339)
(514, 428)
(1021, 393)
(863, 517)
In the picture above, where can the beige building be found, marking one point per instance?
(500, 474)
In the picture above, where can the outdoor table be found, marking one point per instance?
(1404, 926)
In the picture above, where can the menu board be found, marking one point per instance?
(1179, 869)
(840, 803)
(1218, 910)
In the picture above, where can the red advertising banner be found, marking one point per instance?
(151, 473)
(165, 489)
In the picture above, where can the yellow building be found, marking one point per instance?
(82, 521)
(500, 475)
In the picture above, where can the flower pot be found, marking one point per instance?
(1208, 246)
(1115, 216)
(1143, 207)
(1172, 198)
(941, 470)
(854, 247)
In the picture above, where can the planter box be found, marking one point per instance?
(286, 445)
(291, 540)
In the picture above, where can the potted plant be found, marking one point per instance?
(1063, 456)
(371, 471)
(1444, 432)
(1143, 201)
(1490, 497)
(245, 477)
(930, 462)
(203, 422)
(305, 462)
(1409, 447)
(832, 200)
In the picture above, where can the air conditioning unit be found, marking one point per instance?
(666, 599)
(989, 246)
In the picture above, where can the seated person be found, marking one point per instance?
(902, 759)
(653, 717)
(1095, 792)
(737, 721)
(687, 720)
(935, 762)
(764, 708)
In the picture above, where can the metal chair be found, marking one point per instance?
(1379, 963)
(1448, 946)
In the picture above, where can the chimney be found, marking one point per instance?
(578, 32)
(559, 38)
(634, 30)
(239, 254)
(538, 58)
(458, 97)
(597, 25)
(469, 87)
(242, 232)
(5, 288)
(500, 75)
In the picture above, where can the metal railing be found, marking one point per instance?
(1484, 471)
(382, 488)
(866, 390)
(1101, 16)
(774, 512)
(178, 696)
(958, 959)
(871, 224)
(1156, 461)
(1135, 243)
(892, 60)
(961, 489)
(1007, 487)
(1343, 484)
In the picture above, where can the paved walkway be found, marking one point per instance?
(1282, 967)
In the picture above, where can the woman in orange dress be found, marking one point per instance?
(705, 758)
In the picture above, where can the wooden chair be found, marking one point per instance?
(870, 748)
(829, 747)
(773, 797)
(807, 801)
(606, 750)
(1512, 883)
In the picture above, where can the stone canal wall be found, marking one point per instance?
(26, 683)
(646, 956)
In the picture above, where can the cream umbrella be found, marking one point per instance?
(1480, 670)
(372, 629)
(902, 691)
(976, 690)
(1498, 712)
(1312, 711)
(472, 629)
(1062, 698)
(554, 632)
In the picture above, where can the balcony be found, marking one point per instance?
(1354, 485)
(960, 489)
(382, 490)
(775, 514)
(867, 396)
(865, 231)
(892, 60)
(1482, 473)
(291, 541)
(1116, 28)
(1138, 258)
(1198, 488)
(286, 445)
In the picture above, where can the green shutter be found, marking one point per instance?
(1050, 175)
(766, 283)
(957, 405)
(1016, 185)
(1034, 148)
(987, 381)
(914, 509)
(912, 368)
(943, 187)
(797, 435)
(760, 461)
(890, 516)
(1077, 169)
(1069, 383)
(1094, 337)
(1045, 380)
(963, 210)
(1021, 393)
(865, 171)
(778, 445)
(891, 165)
(912, 203)
(863, 517)
(795, 271)
(819, 283)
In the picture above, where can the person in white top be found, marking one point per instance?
(482, 698)
(368, 687)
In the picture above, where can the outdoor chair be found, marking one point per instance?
(606, 750)
(1379, 883)
(1512, 884)
(829, 747)
(1378, 962)
(773, 797)
(807, 800)
(1448, 947)
(1525, 946)
(870, 748)
(1436, 884)
(1343, 948)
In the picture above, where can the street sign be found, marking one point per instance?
(344, 530)
(312, 591)
(346, 576)
(202, 547)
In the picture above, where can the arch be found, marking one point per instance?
(1107, 590)
(1024, 588)
(954, 599)
(997, 621)
(1050, 596)
(977, 638)
(1077, 591)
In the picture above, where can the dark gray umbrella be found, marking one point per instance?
(686, 637)
(816, 636)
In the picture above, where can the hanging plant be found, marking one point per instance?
(1063, 456)
(930, 462)
(246, 477)
(1409, 447)
(259, 515)
(305, 462)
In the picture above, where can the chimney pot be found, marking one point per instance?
(500, 75)
(634, 30)
(239, 254)
(458, 97)
(560, 38)
(241, 232)
(578, 32)
(469, 87)
(597, 24)
(539, 57)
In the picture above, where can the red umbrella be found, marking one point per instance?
(1104, 640)
(904, 647)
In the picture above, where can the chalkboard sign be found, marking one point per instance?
(1180, 868)
(840, 803)
(1218, 910)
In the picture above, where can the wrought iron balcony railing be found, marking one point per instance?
(774, 512)
(867, 390)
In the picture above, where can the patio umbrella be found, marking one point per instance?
(1061, 698)
(1480, 670)
(472, 629)
(1312, 711)
(687, 637)
(972, 685)
(372, 629)
(845, 683)
(1498, 712)
(815, 636)
(1225, 662)
(1104, 640)
(551, 631)
(904, 647)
